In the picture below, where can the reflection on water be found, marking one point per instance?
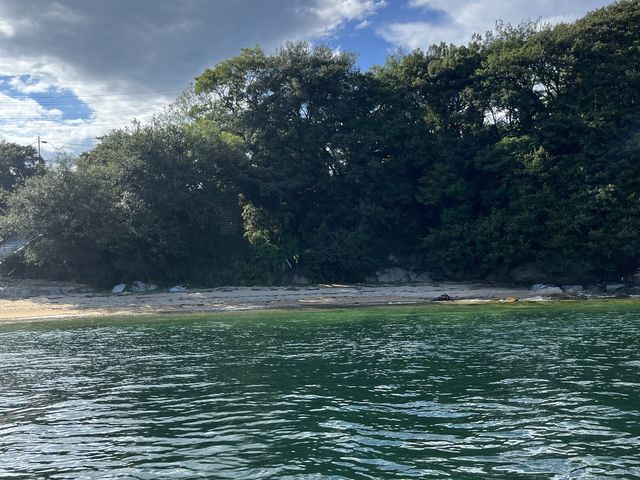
(499, 394)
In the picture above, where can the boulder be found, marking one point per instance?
(141, 287)
(572, 289)
(393, 275)
(635, 279)
(443, 298)
(177, 289)
(542, 289)
(527, 272)
(120, 288)
(537, 298)
(614, 287)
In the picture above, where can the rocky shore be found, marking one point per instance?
(40, 300)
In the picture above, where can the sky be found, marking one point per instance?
(71, 70)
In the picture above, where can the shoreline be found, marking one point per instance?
(247, 299)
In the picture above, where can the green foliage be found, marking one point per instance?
(268, 249)
(521, 147)
(70, 216)
(17, 164)
(147, 203)
(325, 155)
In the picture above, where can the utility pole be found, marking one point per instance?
(39, 142)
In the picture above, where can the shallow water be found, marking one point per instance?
(457, 392)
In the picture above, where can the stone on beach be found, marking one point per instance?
(141, 287)
(615, 287)
(177, 289)
(572, 289)
(542, 289)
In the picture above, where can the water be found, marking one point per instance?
(432, 392)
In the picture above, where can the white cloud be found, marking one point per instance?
(420, 34)
(333, 13)
(30, 85)
(24, 108)
(6, 29)
(459, 19)
(23, 119)
(127, 59)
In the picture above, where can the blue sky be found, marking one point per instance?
(364, 36)
(70, 70)
(69, 105)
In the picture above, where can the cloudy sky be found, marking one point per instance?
(70, 70)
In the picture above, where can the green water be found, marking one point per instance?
(548, 391)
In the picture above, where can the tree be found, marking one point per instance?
(147, 202)
(17, 164)
(470, 160)
(330, 156)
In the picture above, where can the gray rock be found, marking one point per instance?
(443, 298)
(537, 298)
(177, 289)
(393, 275)
(572, 289)
(141, 287)
(615, 287)
(370, 279)
(527, 272)
(542, 289)
(120, 288)
(635, 278)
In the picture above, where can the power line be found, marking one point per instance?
(79, 111)
(62, 126)
(14, 115)
(52, 123)
(123, 94)
(67, 114)
(82, 103)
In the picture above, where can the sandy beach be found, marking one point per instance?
(62, 303)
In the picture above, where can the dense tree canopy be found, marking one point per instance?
(148, 202)
(521, 147)
(17, 163)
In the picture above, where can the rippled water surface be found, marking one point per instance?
(437, 392)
